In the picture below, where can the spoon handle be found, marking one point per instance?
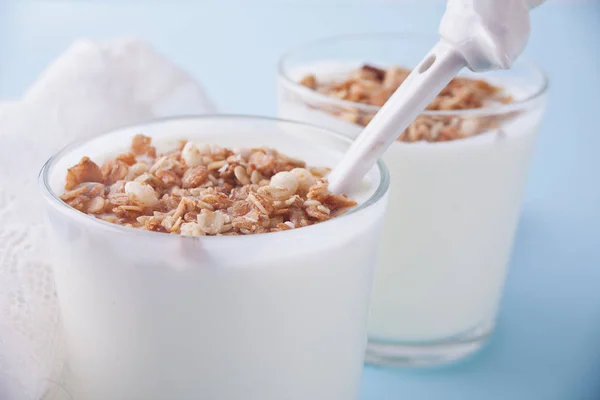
(423, 84)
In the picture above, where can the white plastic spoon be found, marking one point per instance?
(479, 34)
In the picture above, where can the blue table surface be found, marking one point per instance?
(547, 344)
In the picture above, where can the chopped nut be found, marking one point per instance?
(256, 177)
(168, 177)
(240, 208)
(194, 177)
(216, 165)
(113, 171)
(141, 145)
(216, 199)
(241, 175)
(310, 81)
(261, 203)
(79, 203)
(262, 162)
(85, 171)
(185, 205)
(371, 72)
(127, 158)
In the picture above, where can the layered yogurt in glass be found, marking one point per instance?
(200, 314)
(457, 179)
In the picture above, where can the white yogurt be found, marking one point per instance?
(448, 233)
(266, 317)
(450, 223)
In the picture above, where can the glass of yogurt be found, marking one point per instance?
(154, 316)
(457, 180)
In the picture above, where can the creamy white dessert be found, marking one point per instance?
(448, 234)
(153, 316)
(454, 207)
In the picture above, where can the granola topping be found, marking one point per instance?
(374, 86)
(199, 189)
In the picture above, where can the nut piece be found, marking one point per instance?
(241, 175)
(141, 145)
(261, 203)
(194, 177)
(262, 162)
(113, 171)
(85, 171)
(370, 72)
(127, 158)
(310, 81)
(168, 177)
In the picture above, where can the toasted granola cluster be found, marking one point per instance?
(199, 189)
(374, 86)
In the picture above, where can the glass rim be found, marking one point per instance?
(539, 91)
(51, 197)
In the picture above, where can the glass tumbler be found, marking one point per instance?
(153, 316)
(454, 205)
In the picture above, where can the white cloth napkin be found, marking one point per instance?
(91, 88)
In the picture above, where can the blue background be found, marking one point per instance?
(547, 345)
